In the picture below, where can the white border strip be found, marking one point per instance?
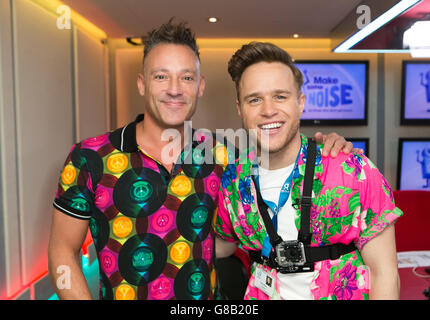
(69, 212)
(122, 138)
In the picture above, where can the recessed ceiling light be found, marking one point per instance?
(213, 19)
(296, 35)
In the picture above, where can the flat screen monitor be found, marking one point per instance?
(336, 92)
(360, 143)
(414, 164)
(415, 93)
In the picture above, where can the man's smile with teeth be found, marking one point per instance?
(273, 125)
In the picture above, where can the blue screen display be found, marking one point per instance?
(334, 91)
(416, 91)
(415, 165)
(360, 145)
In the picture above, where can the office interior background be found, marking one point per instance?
(68, 71)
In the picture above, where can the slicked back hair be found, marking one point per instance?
(255, 52)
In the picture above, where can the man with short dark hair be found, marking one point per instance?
(149, 211)
(320, 227)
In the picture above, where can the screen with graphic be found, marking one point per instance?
(335, 92)
(416, 93)
(360, 143)
(414, 164)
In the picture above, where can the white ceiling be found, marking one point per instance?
(238, 18)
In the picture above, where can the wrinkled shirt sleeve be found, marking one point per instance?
(223, 226)
(74, 196)
(378, 208)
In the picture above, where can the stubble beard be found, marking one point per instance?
(161, 120)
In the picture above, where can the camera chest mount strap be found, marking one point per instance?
(312, 254)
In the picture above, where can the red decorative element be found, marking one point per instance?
(108, 180)
(114, 245)
(142, 225)
(412, 228)
(170, 270)
(105, 150)
(173, 203)
(171, 237)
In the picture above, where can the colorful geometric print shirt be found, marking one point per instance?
(352, 202)
(152, 229)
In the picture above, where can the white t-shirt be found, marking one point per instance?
(293, 286)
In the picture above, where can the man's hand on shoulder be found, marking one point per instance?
(334, 143)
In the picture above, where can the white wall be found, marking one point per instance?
(10, 275)
(44, 124)
(91, 81)
(52, 93)
(128, 104)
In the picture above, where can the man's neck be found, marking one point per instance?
(149, 137)
(285, 157)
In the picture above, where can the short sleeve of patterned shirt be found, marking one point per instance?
(75, 195)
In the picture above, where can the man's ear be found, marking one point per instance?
(238, 108)
(301, 102)
(141, 84)
(202, 85)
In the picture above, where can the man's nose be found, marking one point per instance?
(174, 88)
(268, 108)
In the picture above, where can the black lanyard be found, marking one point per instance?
(305, 204)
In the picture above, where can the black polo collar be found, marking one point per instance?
(124, 138)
